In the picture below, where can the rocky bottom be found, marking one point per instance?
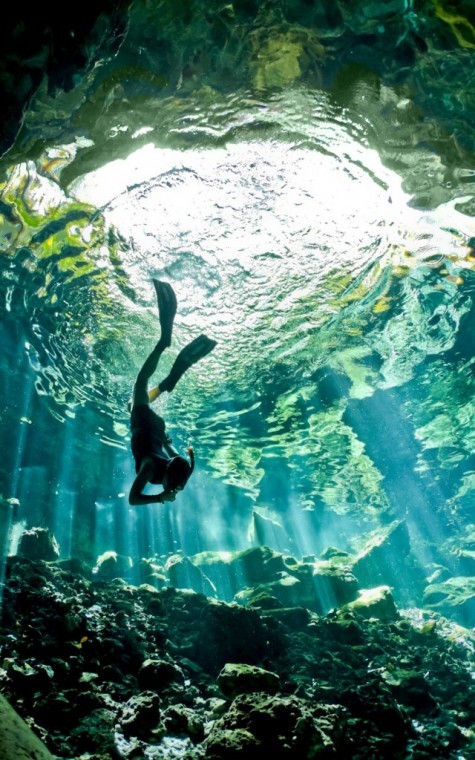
(106, 669)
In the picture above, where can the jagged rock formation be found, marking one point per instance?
(107, 670)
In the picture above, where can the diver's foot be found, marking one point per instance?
(167, 305)
(196, 350)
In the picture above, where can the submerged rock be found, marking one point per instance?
(231, 572)
(180, 720)
(96, 733)
(229, 633)
(184, 574)
(375, 602)
(334, 584)
(279, 727)
(17, 740)
(318, 586)
(157, 674)
(238, 678)
(38, 543)
(112, 565)
(281, 56)
(151, 573)
(108, 670)
(140, 716)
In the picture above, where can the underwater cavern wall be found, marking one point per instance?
(302, 172)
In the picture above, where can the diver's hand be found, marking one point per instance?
(168, 496)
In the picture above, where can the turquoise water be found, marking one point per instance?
(302, 173)
(313, 210)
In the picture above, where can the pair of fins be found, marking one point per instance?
(167, 306)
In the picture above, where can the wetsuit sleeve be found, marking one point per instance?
(169, 448)
(136, 497)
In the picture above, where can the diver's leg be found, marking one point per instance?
(153, 394)
(193, 352)
(141, 395)
(167, 305)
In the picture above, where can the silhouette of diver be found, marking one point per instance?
(156, 460)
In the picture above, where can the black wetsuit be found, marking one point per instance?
(148, 438)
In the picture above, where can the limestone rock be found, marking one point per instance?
(334, 584)
(140, 716)
(184, 574)
(455, 593)
(389, 545)
(95, 733)
(375, 602)
(229, 633)
(282, 55)
(283, 727)
(111, 565)
(181, 720)
(38, 543)
(157, 674)
(17, 740)
(230, 572)
(236, 678)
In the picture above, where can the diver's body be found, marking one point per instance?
(156, 460)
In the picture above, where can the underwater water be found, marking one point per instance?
(303, 176)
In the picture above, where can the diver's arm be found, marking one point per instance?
(169, 448)
(136, 497)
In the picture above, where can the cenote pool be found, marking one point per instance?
(302, 173)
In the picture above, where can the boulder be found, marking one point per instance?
(334, 585)
(111, 565)
(453, 597)
(281, 727)
(230, 572)
(182, 573)
(38, 543)
(17, 740)
(183, 721)
(239, 678)
(140, 716)
(375, 603)
(157, 674)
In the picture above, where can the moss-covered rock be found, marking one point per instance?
(157, 674)
(282, 56)
(282, 727)
(237, 678)
(375, 602)
(38, 543)
(140, 716)
(17, 740)
(112, 565)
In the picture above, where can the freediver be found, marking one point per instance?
(156, 460)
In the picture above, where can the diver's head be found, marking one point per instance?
(177, 474)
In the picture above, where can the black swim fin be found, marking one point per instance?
(167, 305)
(196, 350)
(192, 353)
